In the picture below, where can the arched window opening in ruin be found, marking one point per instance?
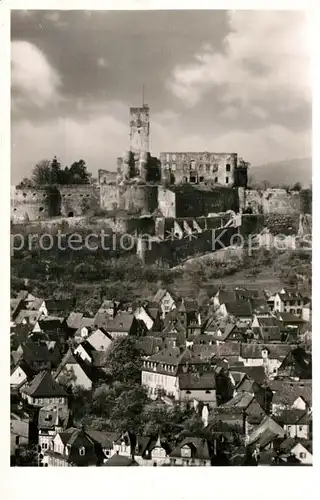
(41, 209)
(70, 214)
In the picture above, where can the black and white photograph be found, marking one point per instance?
(161, 239)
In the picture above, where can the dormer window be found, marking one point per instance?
(68, 447)
(82, 451)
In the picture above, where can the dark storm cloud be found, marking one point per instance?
(213, 81)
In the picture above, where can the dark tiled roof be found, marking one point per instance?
(195, 381)
(199, 448)
(44, 386)
(255, 373)
(293, 416)
(149, 345)
(239, 308)
(59, 305)
(122, 322)
(239, 401)
(36, 351)
(227, 296)
(105, 439)
(287, 317)
(276, 351)
(287, 391)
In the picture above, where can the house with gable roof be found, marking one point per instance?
(51, 420)
(43, 390)
(165, 300)
(73, 372)
(191, 451)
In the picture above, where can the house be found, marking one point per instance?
(27, 317)
(268, 355)
(79, 325)
(296, 365)
(295, 422)
(20, 374)
(37, 355)
(100, 339)
(289, 394)
(108, 308)
(199, 387)
(73, 448)
(59, 307)
(301, 449)
(288, 301)
(160, 371)
(125, 324)
(224, 296)
(43, 390)
(36, 304)
(140, 313)
(266, 328)
(150, 451)
(221, 331)
(262, 437)
(165, 300)
(73, 372)
(150, 345)
(52, 419)
(243, 409)
(289, 320)
(106, 441)
(19, 430)
(191, 451)
(307, 312)
(239, 309)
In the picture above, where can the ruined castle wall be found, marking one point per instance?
(193, 202)
(286, 224)
(132, 198)
(166, 202)
(78, 200)
(200, 167)
(29, 204)
(277, 201)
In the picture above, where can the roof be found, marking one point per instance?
(268, 321)
(226, 296)
(34, 351)
(199, 448)
(58, 305)
(293, 416)
(287, 317)
(105, 439)
(51, 415)
(268, 430)
(289, 443)
(256, 373)
(276, 351)
(120, 461)
(27, 315)
(239, 308)
(43, 385)
(149, 345)
(195, 381)
(122, 322)
(227, 350)
(287, 391)
(74, 320)
(239, 401)
(159, 295)
(188, 305)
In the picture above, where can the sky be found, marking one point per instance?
(222, 81)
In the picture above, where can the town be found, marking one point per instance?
(163, 381)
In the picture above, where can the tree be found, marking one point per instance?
(297, 187)
(124, 361)
(77, 173)
(41, 174)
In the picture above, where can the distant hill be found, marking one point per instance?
(284, 172)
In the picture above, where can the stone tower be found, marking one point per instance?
(139, 137)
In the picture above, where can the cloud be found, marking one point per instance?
(266, 56)
(34, 81)
(271, 142)
(98, 139)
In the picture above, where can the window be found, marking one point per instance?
(302, 455)
(44, 446)
(192, 178)
(299, 311)
(17, 439)
(186, 452)
(300, 428)
(173, 166)
(208, 392)
(201, 179)
(82, 451)
(228, 167)
(208, 168)
(288, 427)
(185, 462)
(216, 179)
(68, 449)
(227, 180)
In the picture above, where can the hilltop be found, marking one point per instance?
(284, 172)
